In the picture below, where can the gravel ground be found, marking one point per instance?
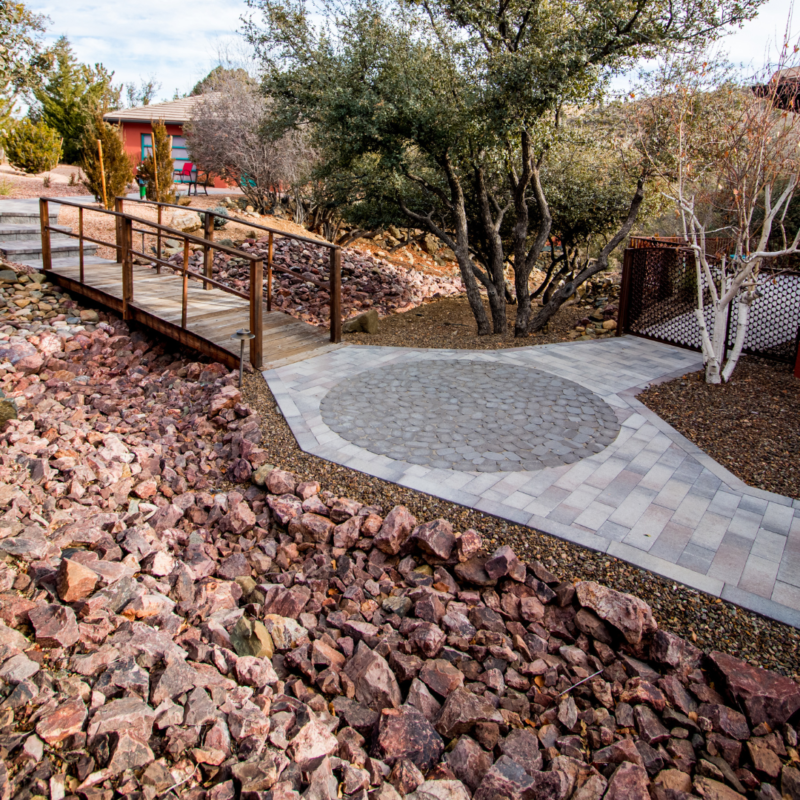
(708, 621)
(751, 425)
(449, 324)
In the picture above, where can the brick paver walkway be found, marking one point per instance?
(649, 497)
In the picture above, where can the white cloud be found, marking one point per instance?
(178, 40)
(175, 40)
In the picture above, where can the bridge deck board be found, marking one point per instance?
(212, 314)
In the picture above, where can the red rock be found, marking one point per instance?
(343, 509)
(435, 538)
(395, 530)
(227, 397)
(473, 571)
(504, 562)
(281, 482)
(714, 790)
(317, 528)
(462, 710)
(764, 760)
(346, 534)
(523, 747)
(629, 782)
(54, 625)
(312, 743)
(406, 733)
(405, 776)
(64, 721)
(74, 581)
(375, 684)
(469, 761)
(628, 614)
(130, 752)
(766, 696)
(371, 525)
(726, 720)
(623, 751)
(428, 639)
(790, 782)
(307, 489)
(468, 544)
(441, 676)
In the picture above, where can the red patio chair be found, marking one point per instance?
(187, 175)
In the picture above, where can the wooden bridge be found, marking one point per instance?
(193, 308)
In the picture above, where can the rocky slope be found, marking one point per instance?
(166, 633)
(367, 282)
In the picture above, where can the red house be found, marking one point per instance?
(137, 132)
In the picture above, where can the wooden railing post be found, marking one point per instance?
(257, 313)
(44, 221)
(185, 293)
(127, 266)
(336, 294)
(269, 274)
(80, 239)
(158, 238)
(118, 207)
(208, 253)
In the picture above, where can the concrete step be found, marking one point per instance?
(24, 218)
(15, 233)
(29, 250)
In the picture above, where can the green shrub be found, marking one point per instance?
(32, 146)
(116, 162)
(147, 168)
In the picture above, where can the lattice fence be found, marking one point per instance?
(659, 297)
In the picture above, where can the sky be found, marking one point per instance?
(179, 41)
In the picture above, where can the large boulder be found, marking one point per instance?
(765, 696)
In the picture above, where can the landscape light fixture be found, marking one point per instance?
(243, 335)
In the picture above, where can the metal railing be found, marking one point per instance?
(333, 286)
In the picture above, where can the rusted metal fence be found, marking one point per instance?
(659, 297)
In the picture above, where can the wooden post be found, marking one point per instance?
(102, 173)
(208, 253)
(127, 266)
(269, 274)
(336, 294)
(118, 207)
(185, 294)
(158, 242)
(44, 221)
(797, 362)
(257, 312)
(624, 291)
(80, 238)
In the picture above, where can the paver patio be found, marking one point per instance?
(649, 497)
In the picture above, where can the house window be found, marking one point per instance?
(180, 154)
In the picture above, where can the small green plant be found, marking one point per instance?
(116, 163)
(72, 181)
(46, 181)
(6, 188)
(32, 146)
(156, 171)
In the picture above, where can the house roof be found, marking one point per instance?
(176, 111)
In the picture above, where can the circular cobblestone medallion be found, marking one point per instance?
(470, 416)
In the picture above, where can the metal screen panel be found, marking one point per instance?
(660, 298)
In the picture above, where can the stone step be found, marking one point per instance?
(19, 232)
(24, 218)
(68, 262)
(30, 250)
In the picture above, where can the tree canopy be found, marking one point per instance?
(441, 112)
(70, 96)
(22, 57)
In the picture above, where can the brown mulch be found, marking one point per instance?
(750, 425)
(450, 324)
